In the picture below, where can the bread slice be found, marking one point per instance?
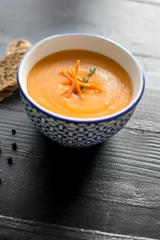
(8, 74)
(19, 45)
(9, 64)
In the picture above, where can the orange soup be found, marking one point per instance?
(52, 83)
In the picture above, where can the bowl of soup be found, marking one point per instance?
(79, 89)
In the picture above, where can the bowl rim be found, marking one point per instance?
(84, 120)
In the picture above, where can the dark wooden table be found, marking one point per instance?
(111, 191)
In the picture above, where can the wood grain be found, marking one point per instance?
(18, 229)
(137, 30)
(110, 181)
(152, 2)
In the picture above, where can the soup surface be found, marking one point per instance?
(48, 86)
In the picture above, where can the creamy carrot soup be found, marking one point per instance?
(79, 83)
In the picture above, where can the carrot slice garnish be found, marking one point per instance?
(80, 79)
(64, 91)
(73, 84)
(92, 85)
(70, 90)
(69, 72)
(76, 82)
(77, 66)
(66, 75)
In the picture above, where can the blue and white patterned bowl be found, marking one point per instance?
(79, 132)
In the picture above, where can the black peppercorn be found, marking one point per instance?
(14, 146)
(10, 161)
(13, 131)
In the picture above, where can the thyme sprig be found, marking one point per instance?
(89, 74)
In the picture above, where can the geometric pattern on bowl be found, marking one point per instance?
(75, 134)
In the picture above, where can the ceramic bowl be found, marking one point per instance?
(79, 132)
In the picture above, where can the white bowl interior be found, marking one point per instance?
(87, 42)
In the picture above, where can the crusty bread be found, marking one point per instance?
(19, 45)
(8, 74)
(8, 66)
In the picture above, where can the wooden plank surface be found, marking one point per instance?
(110, 189)
(134, 24)
(19, 229)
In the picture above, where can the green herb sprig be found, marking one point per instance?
(89, 74)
